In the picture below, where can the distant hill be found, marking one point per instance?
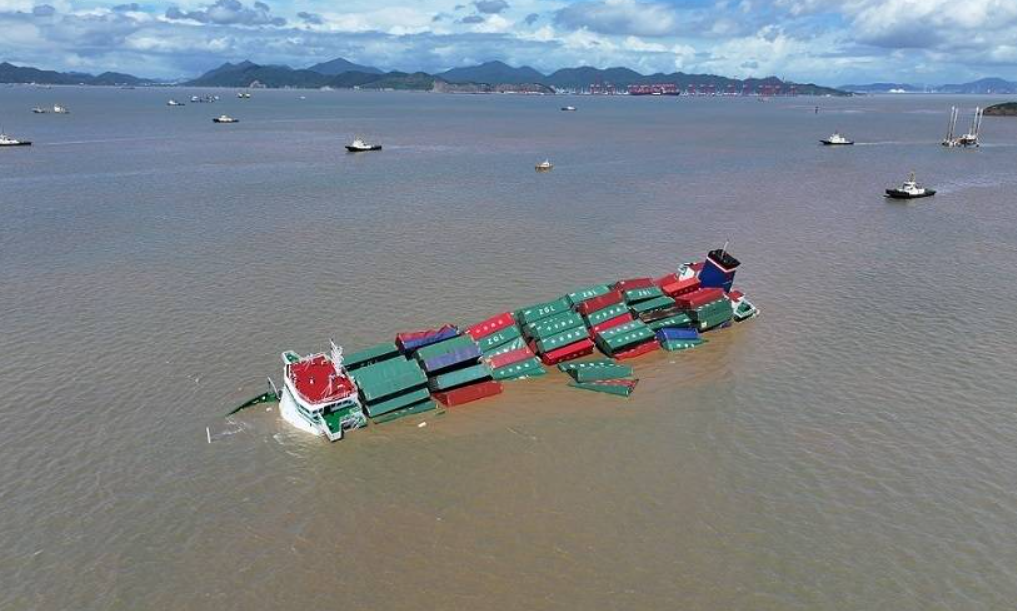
(1007, 109)
(340, 66)
(9, 73)
(492, 72)
(981, 86)
(246, 74)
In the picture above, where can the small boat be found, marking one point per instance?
(568, 108)
(837, 140)
(174, 103)
(910, 190)
(359, 146)
(318, 395)
(60, 110)
(243, 95)
(39, 110)
(544, 166)
(225, 119)
(6, 140)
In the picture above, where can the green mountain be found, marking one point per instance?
(492, 72)
(340, 66)
(9, 73)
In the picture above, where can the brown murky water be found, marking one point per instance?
(853, 448)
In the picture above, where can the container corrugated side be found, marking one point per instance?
(555, 324)
(491, 325)
(498, 338)
(460, 377)
(538, 311)
(579, 296)
(369, 356)
(378, 408)
(562, 339)
(468, 394)
(527, 368)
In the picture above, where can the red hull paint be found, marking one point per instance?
(509, 358)
(583, 347)
(633, 283)
(614, 322)
(491, 325)
(639, 350)
(599, 303)
(698, 298)
(468, 394)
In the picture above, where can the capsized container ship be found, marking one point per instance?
(328, 393)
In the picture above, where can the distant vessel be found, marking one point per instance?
(910, 190)
(318, 395)
(39, 110)
(837, 140)
(968, 140)
(544, 166)
(6, 140)
(225, 119)
(568, 108)
(243, 95)
(60, 110)
(174, 103)
(359, 146)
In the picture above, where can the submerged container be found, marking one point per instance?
(632, 352)
(614, 311)
(567, 367)
(508, 346)
(674, 321)
(491, 325)
(567, 353)
(513, 356)
(595, 374)
(444, 347)
(387, 378)
(400, 401)
(538, 311)
(562, 339)
(677, 334)
(413, 340)
(370, 356)
(622, 388)
(678, 345)
(416, 408)
(448, 360)
(522, 369)
(498, 338)
(468, 394)
(622, 336)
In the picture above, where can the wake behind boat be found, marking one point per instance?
(837, 140)
(359, 146)
(910, 190)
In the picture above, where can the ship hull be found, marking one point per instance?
(832, 143)
(288, 411)
(897, 194)
(25, 143)
(357, 149)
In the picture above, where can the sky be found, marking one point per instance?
(829, 42)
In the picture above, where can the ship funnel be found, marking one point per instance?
(719, 270)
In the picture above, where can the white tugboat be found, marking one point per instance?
(568, 108)
(544, 166)
(243, 95)
(318, 395)
(174, 103)
(359, 146)
(225, 119)
(910, 190)
(60, 110)
(6, 140)
(837, 140)
(39, 110)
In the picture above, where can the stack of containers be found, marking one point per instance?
(627, 340)
(455, 372)
(410, 341)
(605, 311)
(555, 331)
(646, 299)
(605, 376)
(370, 356)
(503, 348)
(707, 307)
(391, 387)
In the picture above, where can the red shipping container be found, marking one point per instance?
(491, 325)
(508, 358)
(466, 394)
(735, 295)
(681, 287)
(668, 279)
(583, 347)
(639, 350)
(599, 303)
(614, 322)
(693, 300)
(633, 283)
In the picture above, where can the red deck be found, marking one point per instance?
(317, 381)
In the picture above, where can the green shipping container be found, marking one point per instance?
(573, 366)
(509, 346)
(637, 295)
(621, 391)
(678, 320)
(474, 373)
(450, 345)
(674, 346)
(416, 408)
(529, 367)
(369, 356)
(562, 339)
(712, 309)
(538, 311)
(657, 303)
(606, 314)
(388, 377)
(494, 340)
(616, 338)
(398, 402)
(594, 374)
(554, 325)
(577, 297)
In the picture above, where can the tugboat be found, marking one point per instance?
(837, 140)
(318, 395)
(6, 140)
(60, 110)
(544, 166)
(174, 103)
(243, 95)
(39, 110)
(225, 119)
(568, 108)
(359, 146)
(910, 190)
